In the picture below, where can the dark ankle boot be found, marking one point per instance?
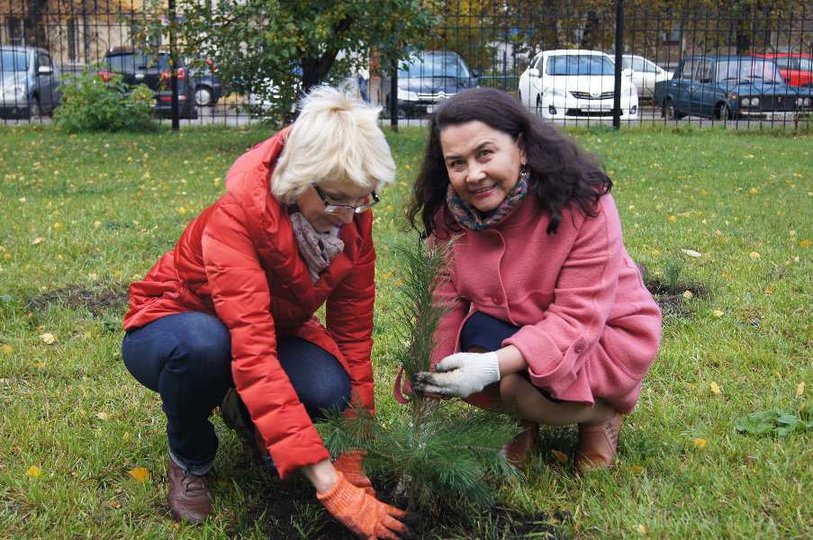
(189, 497)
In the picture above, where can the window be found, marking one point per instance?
(687, 70)
(15, 31)
(704, 72)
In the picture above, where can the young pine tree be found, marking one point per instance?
(439, 454)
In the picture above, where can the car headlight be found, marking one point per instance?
(557, 92)
(406, 95)
(746, 102)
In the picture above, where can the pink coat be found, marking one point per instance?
(589, 327)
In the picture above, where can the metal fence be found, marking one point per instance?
(739, 63)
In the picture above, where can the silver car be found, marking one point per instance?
(645, 73)
(29, 82)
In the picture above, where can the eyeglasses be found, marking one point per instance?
(332, 207)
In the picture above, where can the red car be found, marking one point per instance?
(796, 68)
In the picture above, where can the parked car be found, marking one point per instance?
(796, 68)
(29, 82)
(153, 71)
(645, 73)
(573, 83)
(428, 78)
(726, 87)
(206, 87)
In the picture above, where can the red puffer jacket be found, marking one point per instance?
(239, 261)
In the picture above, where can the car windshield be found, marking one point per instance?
(434, 65)
(580, 64)
(745, 69)
(11, 61)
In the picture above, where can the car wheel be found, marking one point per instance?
(724, 112)
(669, 111)
(203, 96)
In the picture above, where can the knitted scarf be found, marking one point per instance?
(318, 249)
(471, 218)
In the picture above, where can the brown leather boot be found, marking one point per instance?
(598, 444)
(519, 449)
(189, 497)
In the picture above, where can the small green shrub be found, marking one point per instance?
(90, 103)
(671, 272)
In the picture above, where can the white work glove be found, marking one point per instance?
(460, 375)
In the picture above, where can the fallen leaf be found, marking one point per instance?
(800, 389)
(33, 472)
(688, 295)
(37, 240)
(700, 443)
(48, 338)
(97, 224)
(115, 505)
(754, 255)
(715, 388)
(692, 253)
(672, 219)
(717, 313)
(636, 469)
(7, 349)
(101, 415)
(642, 529)
(561, 457)
(139, 474)
(805, 244)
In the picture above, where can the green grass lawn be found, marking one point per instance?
(82, 216)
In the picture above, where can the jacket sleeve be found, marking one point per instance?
(242, 300)
(349, 318)
(555, 347)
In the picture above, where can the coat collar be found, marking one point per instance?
(269, 223)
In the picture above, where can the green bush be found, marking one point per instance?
(90, 103)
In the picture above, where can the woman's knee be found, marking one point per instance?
(512, 386)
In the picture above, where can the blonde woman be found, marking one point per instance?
(232, 305)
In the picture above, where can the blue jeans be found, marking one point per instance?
(186, 358)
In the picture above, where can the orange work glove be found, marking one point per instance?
(351, 466)
(366, 516)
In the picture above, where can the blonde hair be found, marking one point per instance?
(335, 141)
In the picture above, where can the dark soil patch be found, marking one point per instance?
(674, 299)
(98, 301)
(289, 510)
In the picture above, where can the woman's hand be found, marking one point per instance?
(362, 513)
(459, 375)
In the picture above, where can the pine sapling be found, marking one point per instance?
(439, 454)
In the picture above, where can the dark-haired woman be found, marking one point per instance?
(548, 317)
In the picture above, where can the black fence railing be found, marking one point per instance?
(734, 62)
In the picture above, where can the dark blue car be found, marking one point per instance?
(430, 77)
(725, 87)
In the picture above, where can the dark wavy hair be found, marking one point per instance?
(560, 173)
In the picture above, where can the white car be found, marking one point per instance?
(645, 73)
(573, 83)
